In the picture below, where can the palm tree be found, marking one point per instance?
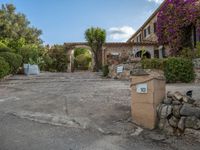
(96, 38)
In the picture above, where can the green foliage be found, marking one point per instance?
(4, 48)
(14, 60)
(79, 51)
(96, 37)
(143, 53)
(83, 61)
(16, 44)
(105, 70)
(32, 54)
(4, 68)
(175, 69)
(15, 28)
(197, 52)
(2, 45)
(29, 53)
(179, 69)
(59, 60)
(187, 53)
(154, 63)
(82, 58)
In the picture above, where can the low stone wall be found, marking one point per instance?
(196, 63)
(179, 114)
(127, 68)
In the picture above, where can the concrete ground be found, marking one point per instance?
(79, 111)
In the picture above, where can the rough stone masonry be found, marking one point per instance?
(179, 114)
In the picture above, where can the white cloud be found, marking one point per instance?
(120, 34)
(156, 1)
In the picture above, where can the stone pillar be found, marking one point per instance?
(148, 91)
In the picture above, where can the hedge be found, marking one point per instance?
(4, 68)
(176, 69)
(6, 49)
(14, 60)
(179, 69)
(154, 63)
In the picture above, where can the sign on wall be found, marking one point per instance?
(120, 69)
(141, 88)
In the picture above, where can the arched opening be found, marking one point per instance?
(146, 54)
(81, 59)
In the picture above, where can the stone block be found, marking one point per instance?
(181, 123)
(192, 122)
(164, 111)
(176, 110)
(190, 110)
(173, 121)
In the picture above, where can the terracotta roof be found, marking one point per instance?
(75, 43)
(148, 20)
(131, 44)
(113, 44)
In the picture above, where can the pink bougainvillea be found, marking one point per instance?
(174, 16)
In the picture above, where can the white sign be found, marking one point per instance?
(141, 88)
(120, 69)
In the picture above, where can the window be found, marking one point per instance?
(145, 32)
(149, 30)
(140, 37)
(137, 39)
(154, 27)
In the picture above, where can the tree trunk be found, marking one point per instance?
(96, 66)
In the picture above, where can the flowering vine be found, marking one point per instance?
(174, 17)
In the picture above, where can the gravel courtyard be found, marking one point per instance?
(77, 111)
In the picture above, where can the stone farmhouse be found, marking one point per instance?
(144, 38)
(147, 33)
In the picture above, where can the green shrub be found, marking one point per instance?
(13, 59)
(179, 70)
(48, 61)
(175, 69)
(83, 61)
(28, 53)
(4, 67)
(154, 63)
(197, 52)
(187, 53)
(105, 70)
(2, 45)
(82, 58)
(4, 48)
(59, 58)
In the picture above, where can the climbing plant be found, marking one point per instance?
(176, 20)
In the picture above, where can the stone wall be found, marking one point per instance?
(179, 114)
(197, 69)
(123, 50)
(127, 68)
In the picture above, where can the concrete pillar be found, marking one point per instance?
(148, 91)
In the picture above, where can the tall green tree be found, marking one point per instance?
(15, 28)
(96, 38)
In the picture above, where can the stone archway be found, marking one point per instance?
(71, 58)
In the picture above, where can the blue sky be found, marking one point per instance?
(66, 20)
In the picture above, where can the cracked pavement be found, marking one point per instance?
(73, 111)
